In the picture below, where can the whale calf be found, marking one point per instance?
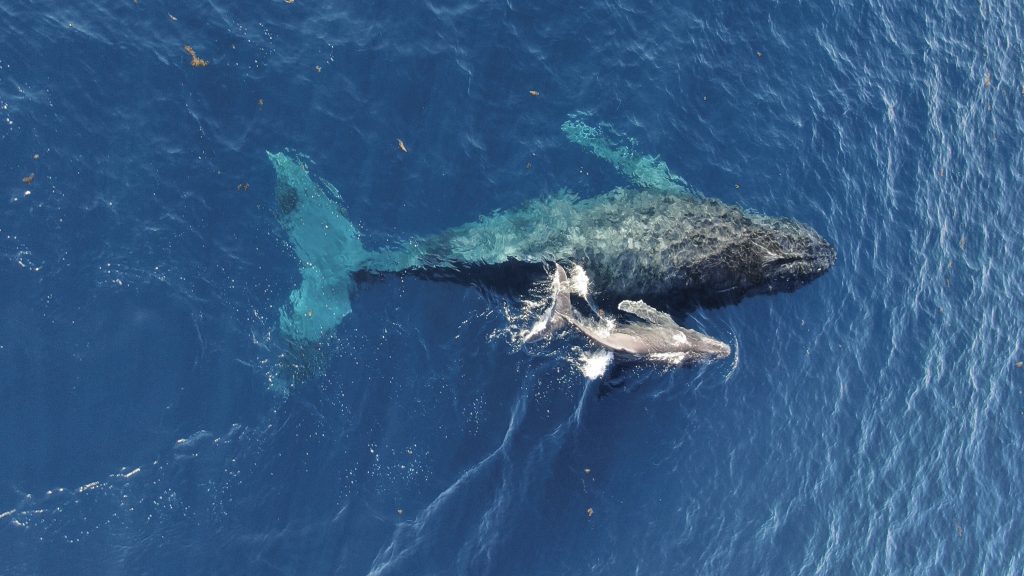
(656, 240)
(647, 333)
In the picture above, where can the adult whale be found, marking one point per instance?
(658, 241)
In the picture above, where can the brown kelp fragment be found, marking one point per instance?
(197, 62)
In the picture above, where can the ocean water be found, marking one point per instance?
(868, 423)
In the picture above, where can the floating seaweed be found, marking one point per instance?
(197, 62)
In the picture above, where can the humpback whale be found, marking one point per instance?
(648, 333)
(656, 240)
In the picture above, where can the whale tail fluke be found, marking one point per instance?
(326, 244)
(554, 317)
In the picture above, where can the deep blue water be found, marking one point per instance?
(869, 423)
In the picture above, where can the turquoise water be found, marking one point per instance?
(868, 423)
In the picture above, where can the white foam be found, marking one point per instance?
(89, 486)
(593, 365)
(579, 281)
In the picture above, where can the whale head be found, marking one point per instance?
(786, 255)
(763, 255)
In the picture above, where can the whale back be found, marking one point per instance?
(663, 246)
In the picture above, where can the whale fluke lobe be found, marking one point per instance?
(554, 315)
(325, 243)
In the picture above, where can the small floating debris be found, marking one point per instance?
(590, 512)
(259, 102)
(586, 470)
(89, 486)
(400, 511)
(759, 54)
(1019, 364)
(988, 79)
(172, 17)
(963, 241)
(28, 179)
(401, 146)
(289, 1)
(197, 62)
(737, 186)
(243, 187)
(534, 93)
(35, 156)
(317, 68)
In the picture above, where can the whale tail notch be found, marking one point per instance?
(324, 241)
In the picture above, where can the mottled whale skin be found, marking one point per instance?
(634, 243)
(656, 240)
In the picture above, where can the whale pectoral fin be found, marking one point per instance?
(648, 313)
(645, 171)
